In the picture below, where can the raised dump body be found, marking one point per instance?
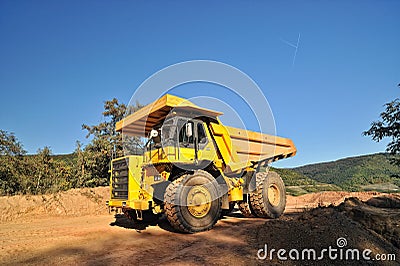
(194, 167)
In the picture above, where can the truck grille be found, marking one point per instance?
(119, 179)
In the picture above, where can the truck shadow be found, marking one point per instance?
(124, 222)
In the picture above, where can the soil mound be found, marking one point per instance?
(372, 224)
(74, 202)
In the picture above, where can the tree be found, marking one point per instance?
(388, 127)
(47, 173)
(44, 173)
(30, 174)
(9, 144)
(11, 159)
(95, 158)
(43, 170)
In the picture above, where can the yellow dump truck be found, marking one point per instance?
(194, 169)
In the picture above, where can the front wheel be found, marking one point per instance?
(269, 198)
(192, 202)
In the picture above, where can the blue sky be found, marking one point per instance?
(59, 60)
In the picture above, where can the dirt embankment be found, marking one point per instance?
(74, 227)
(91, 201)
(74, 202)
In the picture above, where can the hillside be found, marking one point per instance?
(368, 172)
(298, 184)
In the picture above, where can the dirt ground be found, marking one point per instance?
(74, 227)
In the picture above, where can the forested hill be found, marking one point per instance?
(367, 172)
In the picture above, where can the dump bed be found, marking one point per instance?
(255, 146)
(242, 148)
(239, 148)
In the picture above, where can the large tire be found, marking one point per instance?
(192, 202)
(269, 198)
(245, 207)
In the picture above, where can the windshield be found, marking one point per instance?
(168, 132)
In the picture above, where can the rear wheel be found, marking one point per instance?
(269, 198)
(245, 207)
(191, 202)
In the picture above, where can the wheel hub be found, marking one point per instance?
(199, 201)
(274, 195)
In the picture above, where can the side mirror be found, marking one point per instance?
(153, 133)
(189, 129)
(155, 136)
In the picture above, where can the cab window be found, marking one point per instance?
(183, 138)
(201, 133)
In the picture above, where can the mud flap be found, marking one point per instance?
(159, 191)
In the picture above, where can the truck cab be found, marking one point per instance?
(180, 140)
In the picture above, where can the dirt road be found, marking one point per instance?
(105, 239)
(97, 240)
